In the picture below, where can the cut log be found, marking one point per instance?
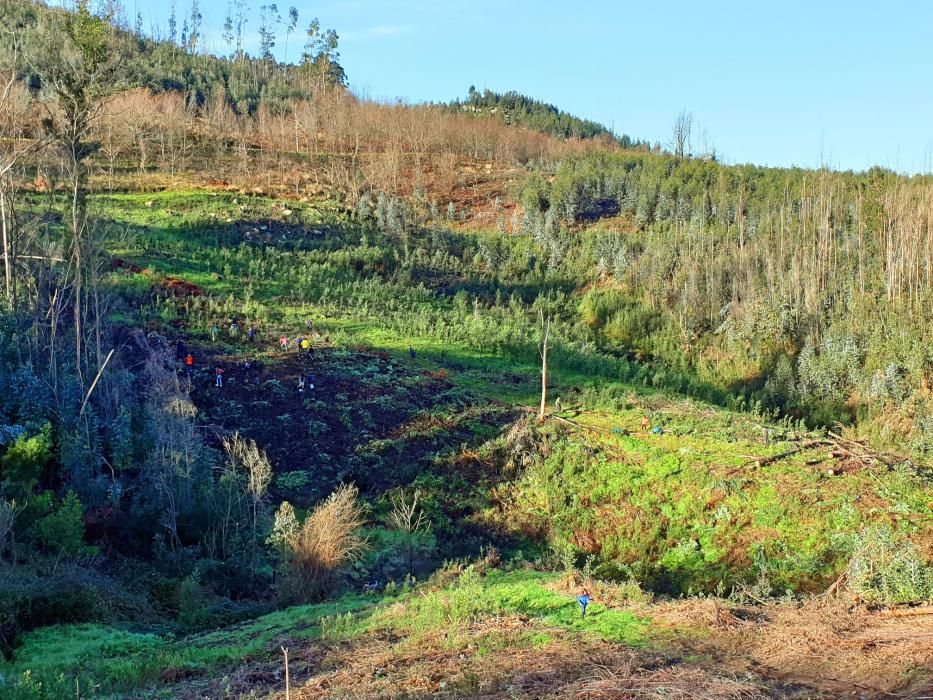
(907, 612)
(764, 461)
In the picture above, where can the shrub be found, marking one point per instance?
(292, 481)
(22, 464)
(315, 549)
(887, 568)
(192, 603)
(27, 604)
(63, 529)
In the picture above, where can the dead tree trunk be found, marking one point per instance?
(544, 345)
(7, 264)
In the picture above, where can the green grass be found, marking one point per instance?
(688, 510)
(686, 506)
(684, 510)
(116, 661)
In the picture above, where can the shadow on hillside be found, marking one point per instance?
(371, 419)
(490, 290)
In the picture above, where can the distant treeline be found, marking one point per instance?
(515, 109)
(173, 63)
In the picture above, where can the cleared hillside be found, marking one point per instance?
(391, 386)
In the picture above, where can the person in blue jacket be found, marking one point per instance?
(584, 600)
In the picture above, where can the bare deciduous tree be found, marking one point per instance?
(683, 125)
(15, 106)
(78, 64)
(8, 512)
(247, 459)
(176, 452)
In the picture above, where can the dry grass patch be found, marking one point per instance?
(509, 657)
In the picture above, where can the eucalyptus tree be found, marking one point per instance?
(80, 64)
(269, 19)
(194, 26)
(289, 28)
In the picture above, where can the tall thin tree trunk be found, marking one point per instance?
(7, 263)
(547, 333)
(76, 253)
(288, 690)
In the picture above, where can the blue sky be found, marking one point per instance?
(847, 83)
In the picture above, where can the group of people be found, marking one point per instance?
(302, 345)
(186, 358)
(234, 330)
(306, 382)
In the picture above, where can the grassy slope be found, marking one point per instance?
(691, 495)
(497, 634)
(693, 500)
(689, 500)
(116, 661)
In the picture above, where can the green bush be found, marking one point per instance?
(21, 466)
(887, 568)
(62, 530)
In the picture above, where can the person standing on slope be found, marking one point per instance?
(583, 600)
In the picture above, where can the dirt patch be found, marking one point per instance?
(369, 419)
(120, 264)
(832, 646)
(181, 288)
(444, 666)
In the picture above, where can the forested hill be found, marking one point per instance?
(176, 62)
(515, 109)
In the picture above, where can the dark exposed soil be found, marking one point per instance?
(370, 419)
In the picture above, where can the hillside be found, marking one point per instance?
(516, 109)
(390, 386)
(685, 510)
(489, 633)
